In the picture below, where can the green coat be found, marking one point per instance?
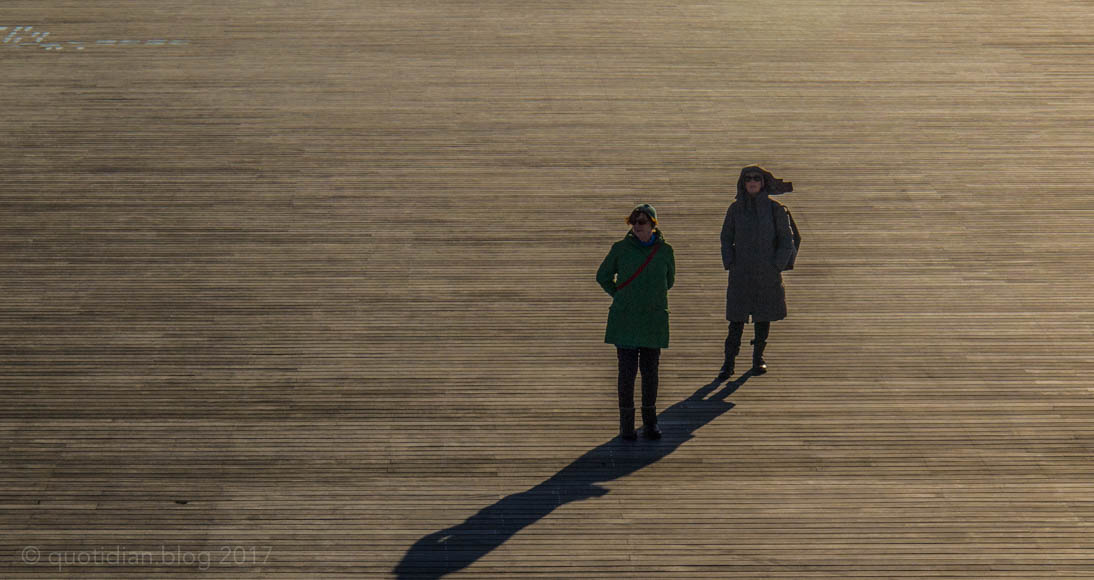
(639, 314)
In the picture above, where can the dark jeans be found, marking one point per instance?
(630, 360)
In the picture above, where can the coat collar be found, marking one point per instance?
(657, 237)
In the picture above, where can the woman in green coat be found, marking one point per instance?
(637, 273)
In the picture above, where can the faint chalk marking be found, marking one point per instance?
(15, 36)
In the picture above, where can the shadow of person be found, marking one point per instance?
(459, 546)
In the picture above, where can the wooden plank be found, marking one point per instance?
(307, 290)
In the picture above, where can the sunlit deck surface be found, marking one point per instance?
(305, 289)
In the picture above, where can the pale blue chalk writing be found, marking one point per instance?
(15, 36)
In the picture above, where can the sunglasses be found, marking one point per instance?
(641, 222)
(754, 177)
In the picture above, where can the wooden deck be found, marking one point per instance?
(303, 290)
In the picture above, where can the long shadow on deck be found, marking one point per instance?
(459, 546)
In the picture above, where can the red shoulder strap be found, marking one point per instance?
(640, 268)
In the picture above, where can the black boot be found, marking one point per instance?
(650, 430)
(732, 348)
(759, 366)
(626, 424)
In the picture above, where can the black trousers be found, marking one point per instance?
(630, 361)
(736, 329)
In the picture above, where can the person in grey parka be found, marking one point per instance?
(757, 245)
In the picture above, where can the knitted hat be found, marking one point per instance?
(646, 209)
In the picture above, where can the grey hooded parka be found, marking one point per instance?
(757, 244)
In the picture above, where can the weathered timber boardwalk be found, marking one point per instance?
(305, 289)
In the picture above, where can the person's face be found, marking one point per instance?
(754, 183)
(642, 227)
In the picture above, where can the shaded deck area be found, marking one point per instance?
(306, 290)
